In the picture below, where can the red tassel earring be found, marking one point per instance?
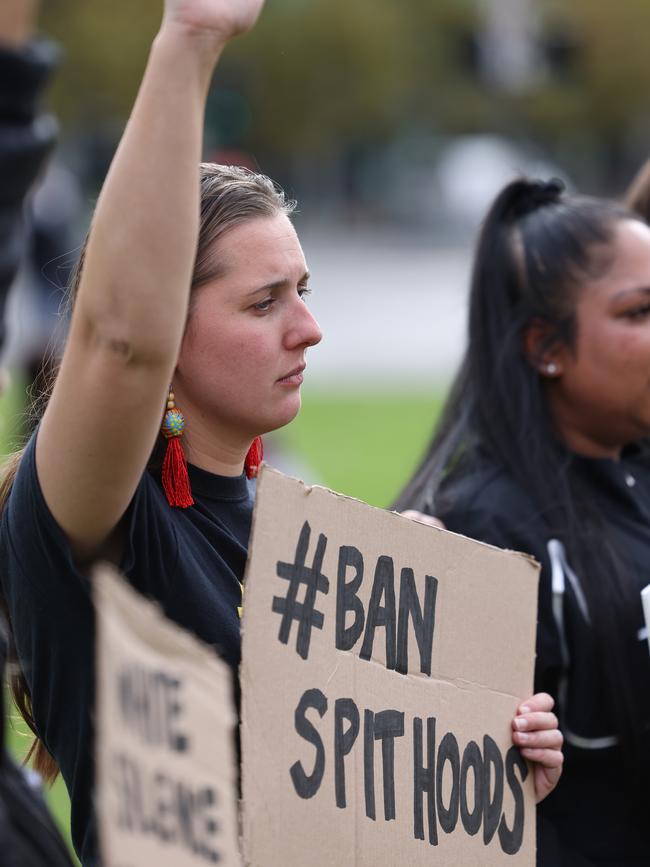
(175, 480)
(254, 458)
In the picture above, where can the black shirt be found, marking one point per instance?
(587, 819)
(190, 560)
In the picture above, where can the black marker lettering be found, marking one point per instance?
(150, 706)
(347, 599)
(381, 615)
(389, 724)
(448, 753)
(492, 801)
(424, 780)
(297, 574)
(305, 785)
(344, 709)
(511, 839)
(423, 624)
(369, 762)
(156, 804)
(471, 759)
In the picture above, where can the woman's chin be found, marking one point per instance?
(283, 416)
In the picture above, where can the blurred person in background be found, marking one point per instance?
(637, 195)
(28, 837)
(543, 448)
(54, 214)
(35, 328)
(27, 134)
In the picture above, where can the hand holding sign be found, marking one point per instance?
(536, 733)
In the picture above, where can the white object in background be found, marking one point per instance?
(645, 599)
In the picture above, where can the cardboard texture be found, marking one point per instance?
(383, 662)
(166, 766)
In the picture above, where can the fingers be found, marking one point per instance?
(552, 759)
(536, 732)
(530, 722)
(541, 701)
(421, 518)
(550, 738)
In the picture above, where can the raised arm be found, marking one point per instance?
(102, 420)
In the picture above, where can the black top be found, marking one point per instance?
(190, 560)
(587, 819)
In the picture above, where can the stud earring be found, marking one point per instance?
(551, 368)
(175, 479)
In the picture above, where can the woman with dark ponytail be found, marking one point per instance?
(543, 447)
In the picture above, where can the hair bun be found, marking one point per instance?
(543, 192)
(524, 196)
(556, 186)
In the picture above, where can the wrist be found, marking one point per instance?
(200, 44)
(17, 21)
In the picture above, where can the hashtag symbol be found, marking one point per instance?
(298, 573)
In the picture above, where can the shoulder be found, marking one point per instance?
(30, 532)
(488, 504)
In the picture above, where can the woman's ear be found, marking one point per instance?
(543, 351)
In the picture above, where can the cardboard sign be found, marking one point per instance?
(166, 767)
(383, 662)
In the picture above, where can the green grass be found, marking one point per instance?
(12, 414)
(363, 444)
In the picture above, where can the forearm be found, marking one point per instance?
(135, 283)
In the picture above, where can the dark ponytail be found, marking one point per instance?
(535, 248)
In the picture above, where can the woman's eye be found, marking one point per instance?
(638, 312)
(264, 305)
(304, 292)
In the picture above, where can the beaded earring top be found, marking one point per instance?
(175, 479)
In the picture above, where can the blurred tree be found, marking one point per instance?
(319, 78)
(324, 71)
(105, 47)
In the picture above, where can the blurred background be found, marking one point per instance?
(393, 125)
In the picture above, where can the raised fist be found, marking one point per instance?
(220, 18)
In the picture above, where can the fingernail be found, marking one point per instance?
(523, 739)
(521, 723)
(524, 709)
